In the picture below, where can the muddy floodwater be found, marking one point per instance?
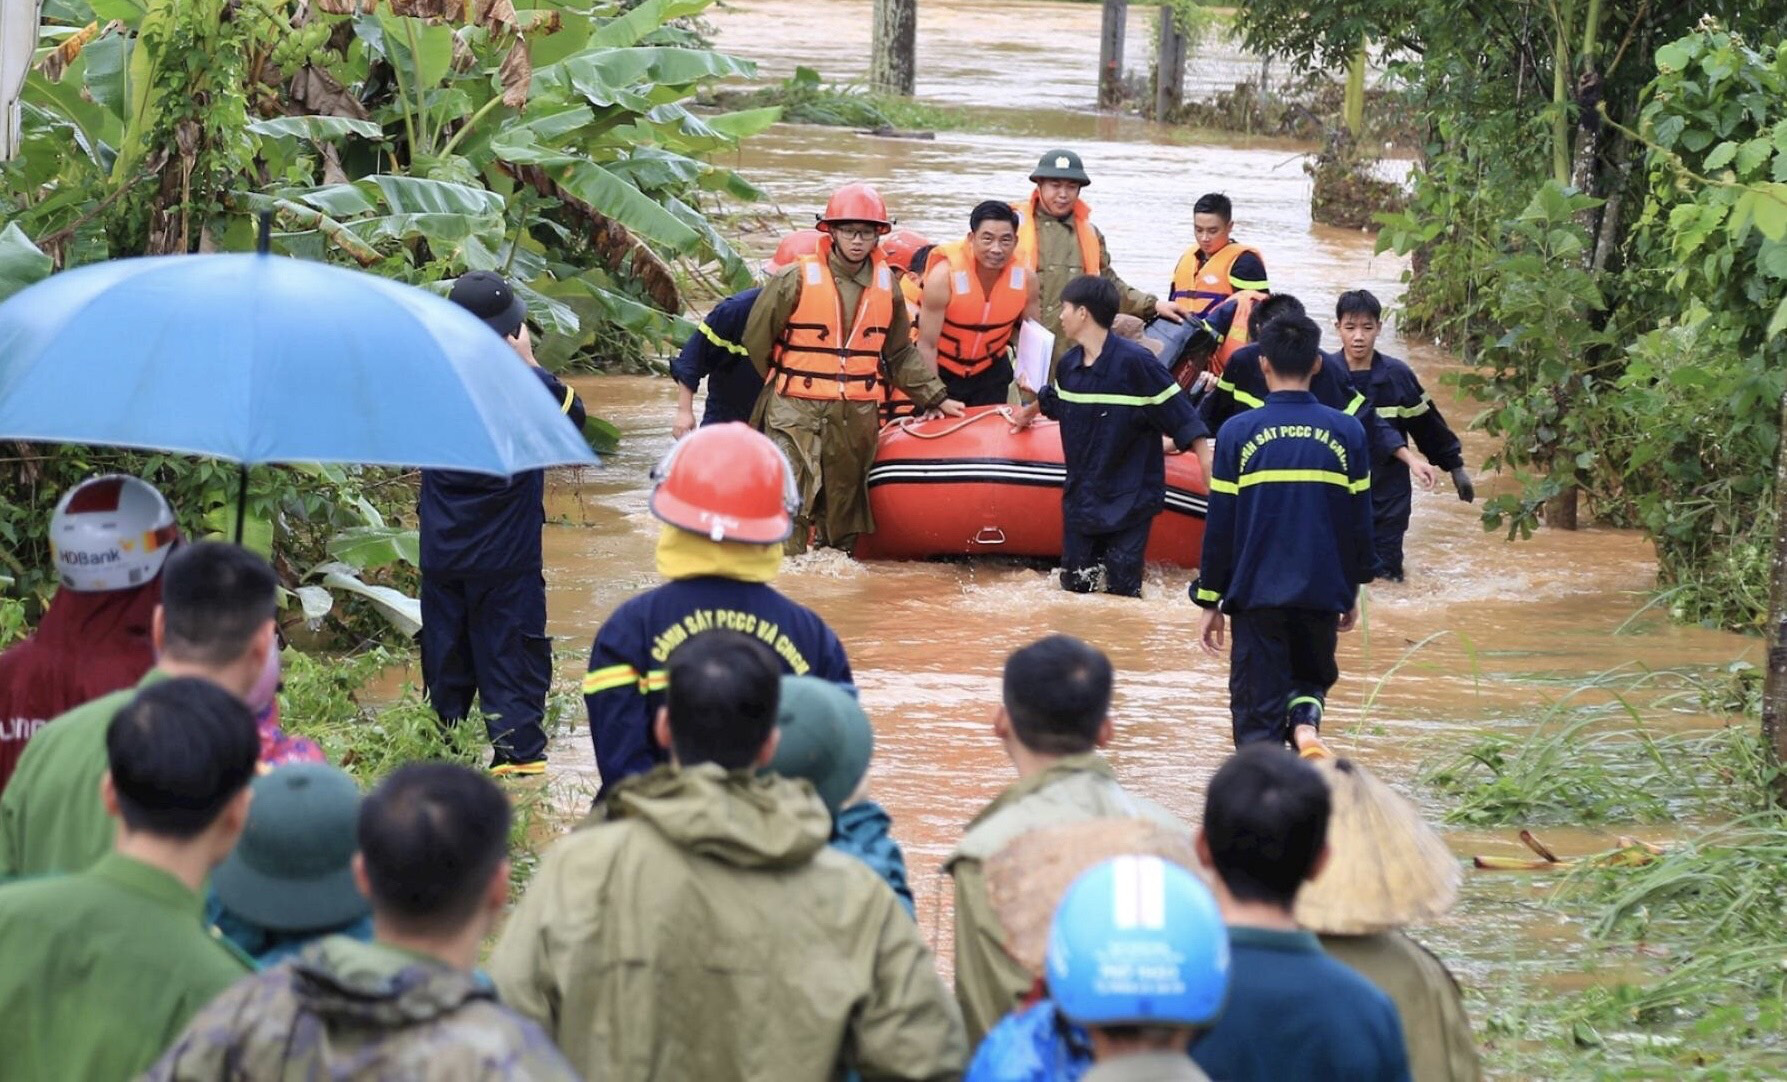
(1482, 635)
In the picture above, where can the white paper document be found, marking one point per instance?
(1036, 348)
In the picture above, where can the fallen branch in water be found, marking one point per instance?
(1626, 853)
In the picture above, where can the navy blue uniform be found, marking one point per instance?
(1113, 413)
(1242, 386)
(484, 597)
(1287, 542)
(1402, 402)
(627, 676)
(713, 353)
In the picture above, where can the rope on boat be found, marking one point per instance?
(909, 425)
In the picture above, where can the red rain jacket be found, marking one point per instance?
(88, 645)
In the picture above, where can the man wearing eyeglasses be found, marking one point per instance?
(828, 335)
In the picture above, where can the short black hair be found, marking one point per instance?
(1290, 344)
(1214, 203)
(1358, 302)
(431, 835)
(214, 597)
(921, 257)
(992, 211)
(725, 688)
(1269, 308)
(1057, 693)
(179, 751)
(1265, 821)
(1096, 294)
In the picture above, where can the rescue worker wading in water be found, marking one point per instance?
(974, 298)
(1057, 240)
(827, 335)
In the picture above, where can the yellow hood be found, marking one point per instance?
(685, 555)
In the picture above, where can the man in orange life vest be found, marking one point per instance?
(1058, 242)
(1216, 267)
(974, 298)
(827, 334)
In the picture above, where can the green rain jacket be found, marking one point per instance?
(990, 983)
(346, 1009)
(51, 817)
(831, 443)
(706, 931)
(1437, 1032)
(100, 970)
(1058, 263)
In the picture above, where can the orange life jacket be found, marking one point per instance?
(1237, 333)
(1211, 282)
(977, 325)
(912, 289)
(1027, 252)
(813, 357)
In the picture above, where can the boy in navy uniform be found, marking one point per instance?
(725, 495)
(483, 591)
(1402, 402)
(1242, 386)
(1287, 543)
(1117, 405)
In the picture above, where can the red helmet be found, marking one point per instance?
(901, 245)
(727, 482)
(856, 203)
(794, 245)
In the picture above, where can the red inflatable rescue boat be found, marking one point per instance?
(970, 486)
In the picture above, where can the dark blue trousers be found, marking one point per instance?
(1119, 554)
(1281, 663)
(1392, 498)
(485, 636)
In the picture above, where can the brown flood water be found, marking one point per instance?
(1506, 626)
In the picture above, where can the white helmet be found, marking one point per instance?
(111, 533)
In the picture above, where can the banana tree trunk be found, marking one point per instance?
(18, 40)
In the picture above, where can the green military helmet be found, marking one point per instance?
(1061, 165)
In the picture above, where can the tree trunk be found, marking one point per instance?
(1169, 68)
(1110, 53)
(893, 47)
(1774, 685)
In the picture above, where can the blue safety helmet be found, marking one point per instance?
(1138, 941)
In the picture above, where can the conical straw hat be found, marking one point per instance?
(1026, 879)
(1386, 866)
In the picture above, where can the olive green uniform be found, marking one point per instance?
(51, 817)
(831, 442)
(102, 970)
(1437, 1032)
(1058, 263)
(706, 930)
(990, 983)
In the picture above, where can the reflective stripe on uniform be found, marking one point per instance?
(1353, 406)
(1239, 395)
(1116, 399)
(1276, 477)
(1246, 283)
(656, 680)
(714, 336)
(570, 397)
(1208, 595)
(1405, 412)
(614, 676)
(1301, 699)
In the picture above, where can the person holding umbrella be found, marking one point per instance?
(483, 591)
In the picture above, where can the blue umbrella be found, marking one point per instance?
(256, 359)
(259, 359)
